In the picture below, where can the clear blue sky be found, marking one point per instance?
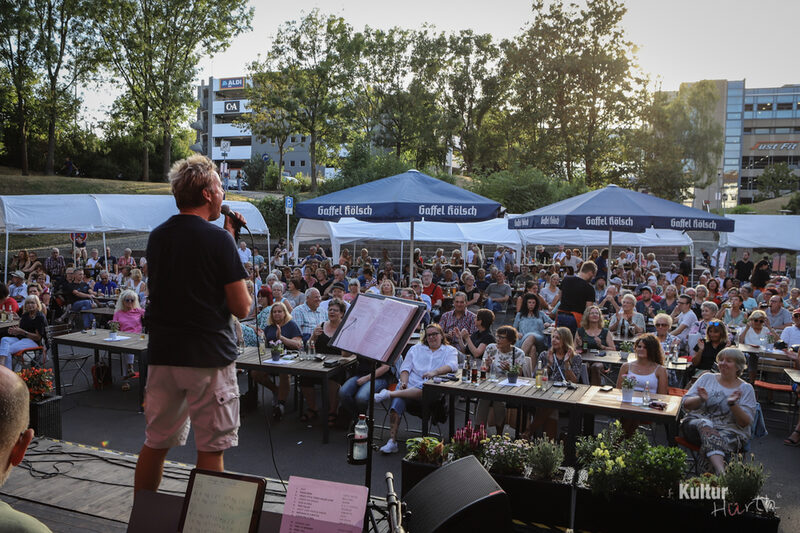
(678, 40)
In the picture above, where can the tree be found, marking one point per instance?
(19, 56)
(679, 142)
(155, 46)
(70, 54)
(775, 180)
(523, 189)
(793, 206)
(317, 56)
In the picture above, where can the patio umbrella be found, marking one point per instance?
(407, 197)
(616, 209)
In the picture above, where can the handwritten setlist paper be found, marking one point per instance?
(220, 505)
(323, 506)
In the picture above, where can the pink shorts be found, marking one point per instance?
(207, 396)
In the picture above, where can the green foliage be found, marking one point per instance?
(363, 164)
(743, 479)
(426, 450)
(523, 189)
(501, 455)
(631, 466)
(794, 204)
(467, 441)
(272, 210)
(774, 180)
(260, 174)
(545, 458)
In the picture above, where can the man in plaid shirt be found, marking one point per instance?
(55, 265)
(309, 315)
(458, 318)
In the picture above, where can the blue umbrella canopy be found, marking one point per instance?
(409, 196)
(616, 209)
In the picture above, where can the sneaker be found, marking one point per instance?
(389, 447)
(382, 396)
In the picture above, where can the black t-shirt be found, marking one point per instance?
(589, 340)
(72, 286)
(743, 270)
(709, 355)
(37, 324)
(481, 337)
(685, 268)
(471, 294)
(575, 292)
(190, 261)
(322, 344)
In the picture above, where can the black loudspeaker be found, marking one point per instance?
(460, 496)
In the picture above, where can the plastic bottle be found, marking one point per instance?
(646, 394)
(539, 375)
(361, 431)
(312, 349)
(94, 326)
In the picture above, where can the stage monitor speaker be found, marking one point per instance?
(460, 496)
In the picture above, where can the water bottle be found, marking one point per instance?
(312, 349)
(361, 431)
(646, 394)
(94, 326)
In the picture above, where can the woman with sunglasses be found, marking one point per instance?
(757, 329)
(706, 350)
(129, 314)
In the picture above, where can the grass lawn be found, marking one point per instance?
(13, 183)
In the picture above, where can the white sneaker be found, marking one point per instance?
(389, 447)
(382, 395)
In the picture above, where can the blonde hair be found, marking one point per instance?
(585, 319)
(567, 340)
(270, 322)
(121, 300)
(737, 356)
(137, 274)
(189, 178)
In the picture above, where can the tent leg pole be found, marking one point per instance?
(401, 260)
(5, 257)
(411, 254)
(608, 261)
(105, 254)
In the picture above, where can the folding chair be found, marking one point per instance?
(774, 369)
(26, 358)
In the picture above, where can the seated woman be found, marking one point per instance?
(531, 287)
(471, 290)
(432, 357)
(592, 335)
(29, 334)
(280, 326)
(669, 301)
(33, 264)
(264, 301)
(129, 314)
(294, 293)
(354, 290)
(720, 409)
(647, 369)
(387, 288)
(34, 289)
(322, 336)
(19, 262)
(456, 262)
(551, 293)
(277, 295)
(627, 319)
(559, 363)
(499, 357)
(704, 353)
(473, 345)
(531, 325)
(669, 342)
(732, 312)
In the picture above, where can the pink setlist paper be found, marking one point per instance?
(323, 506)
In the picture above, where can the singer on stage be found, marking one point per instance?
(196, 283)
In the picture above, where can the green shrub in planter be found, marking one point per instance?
(467, 441)
(743, 479)
(544, 459)
(501, 455)
(426, 450)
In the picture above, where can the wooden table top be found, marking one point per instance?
(9, 324)
(793, 373)
(548, 395)
(105, 311)
(760, 350)
(611, 403)
(134, 344)
(249, 360)
(615, 358)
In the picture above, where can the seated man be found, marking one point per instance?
(432, 357)
(18, 289)
(79, 296)
(498, 293)
(15, 436)
(105, 285)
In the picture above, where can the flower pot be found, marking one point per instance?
(512, 378)
(412, 472)
(46, 417)
(627, 395)
(552, 498)
(112, 335)
(276, 356)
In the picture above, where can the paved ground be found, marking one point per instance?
(109, 418)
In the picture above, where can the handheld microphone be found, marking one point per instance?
(226, 210)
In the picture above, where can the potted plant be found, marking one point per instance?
(114, 326)
(501, 455)
(45, 408)
(424, 455)
(625, 348)
(276, 349)
(513, 373)
(628, 383)
(467, 441)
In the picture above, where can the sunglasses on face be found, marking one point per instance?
(129, 300)
(662, 325)
(758, 320)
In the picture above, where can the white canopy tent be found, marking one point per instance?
(349, 230)
(764, 231)
(651, 238)
(101, 213)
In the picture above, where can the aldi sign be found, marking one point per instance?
(231, 83)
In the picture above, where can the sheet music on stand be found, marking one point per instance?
(378, 327)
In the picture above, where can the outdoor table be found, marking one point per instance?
(547, 397)
(596, 402)
(615, 358)
(311, 369)
(794, 375)
(135, 344)
(8, 324)
(107, 312)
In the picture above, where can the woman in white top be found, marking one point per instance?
(498, 357)
(627, 316)
(432, 357)
(646, 369)
(137, 284)
(277, 296)
(721, 409)
(551, 293)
